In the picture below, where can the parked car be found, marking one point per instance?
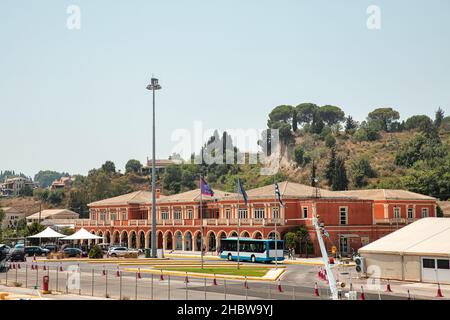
(74, 252)
(4, 249)
(51, 247)
(16, 254)
(121, 252)
(38, 251)
(19, 246)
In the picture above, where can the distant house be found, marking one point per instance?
(63, 183)
(13, 186)
(160, 165)
(48, 216)
(445, 207)
(12, 216)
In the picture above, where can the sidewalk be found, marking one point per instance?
(18, 293)
(417, 290)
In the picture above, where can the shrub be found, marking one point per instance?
(96, 252)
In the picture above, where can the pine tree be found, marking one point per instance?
(294, 121)
(331, 168)
(438, 118)
(340, 178)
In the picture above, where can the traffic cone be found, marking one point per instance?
(409, 295)
(138, 274)
(316, 290)
(186, 280)
(351, 287)
(117, 272)
(245, 283)
(13, 266)
(60, 267)
(34, 258)
(104, 271)
(32, 267)
(363, 295)
(280, 289)
(215, 280)
(439, 292)
(18, 266)
(45, 268)
(388, 287)
(161, 276)
(319, 274)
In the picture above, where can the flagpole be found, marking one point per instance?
(238, 227)
(275, 222)
(201, 221)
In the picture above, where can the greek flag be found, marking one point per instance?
(242, 191)
(278, 194)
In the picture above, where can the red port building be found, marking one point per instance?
(351, 218)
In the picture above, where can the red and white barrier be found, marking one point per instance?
(363, 295)
(388, 287)
(316, 290)
(439, 292)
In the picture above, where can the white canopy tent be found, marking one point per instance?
(47, 233)
(82, 234)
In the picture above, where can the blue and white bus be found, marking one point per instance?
(254, 250)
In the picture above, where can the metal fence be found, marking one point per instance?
(110, 282)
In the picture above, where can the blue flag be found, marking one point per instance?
(205, 188)
(242, 191)
(278, 194)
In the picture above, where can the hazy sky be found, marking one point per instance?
(71, 99)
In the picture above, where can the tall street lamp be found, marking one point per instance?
(153, 86)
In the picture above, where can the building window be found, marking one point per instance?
(410, 213)
(93, 216)
(429, 263)
(113, 217)
(102, 216)
(259, 213)
(177, 215)
(190, 214)
(425, 213)
(243, 214)
(164, 215)
(305, 212)
(275, 213)
(396, 213)
(124, 216)
(443, 264)
(343, 215)
(227, 213)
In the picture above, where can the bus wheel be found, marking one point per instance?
(253, 259)
(230, 257)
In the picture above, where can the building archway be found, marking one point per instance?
(141, 240)
(159, 241)
(212, 243)
(245, 234)
(124, 239)
(100, 234)
(116, 237)
(232, 234)
(178, 240)
(188, 241)
(133, 239)
(257, 235)
(168, 239)
(272, 235)
(107, 237)
(148, 240)
(221, 235)
(198, 241)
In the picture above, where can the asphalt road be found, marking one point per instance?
(297, 284)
